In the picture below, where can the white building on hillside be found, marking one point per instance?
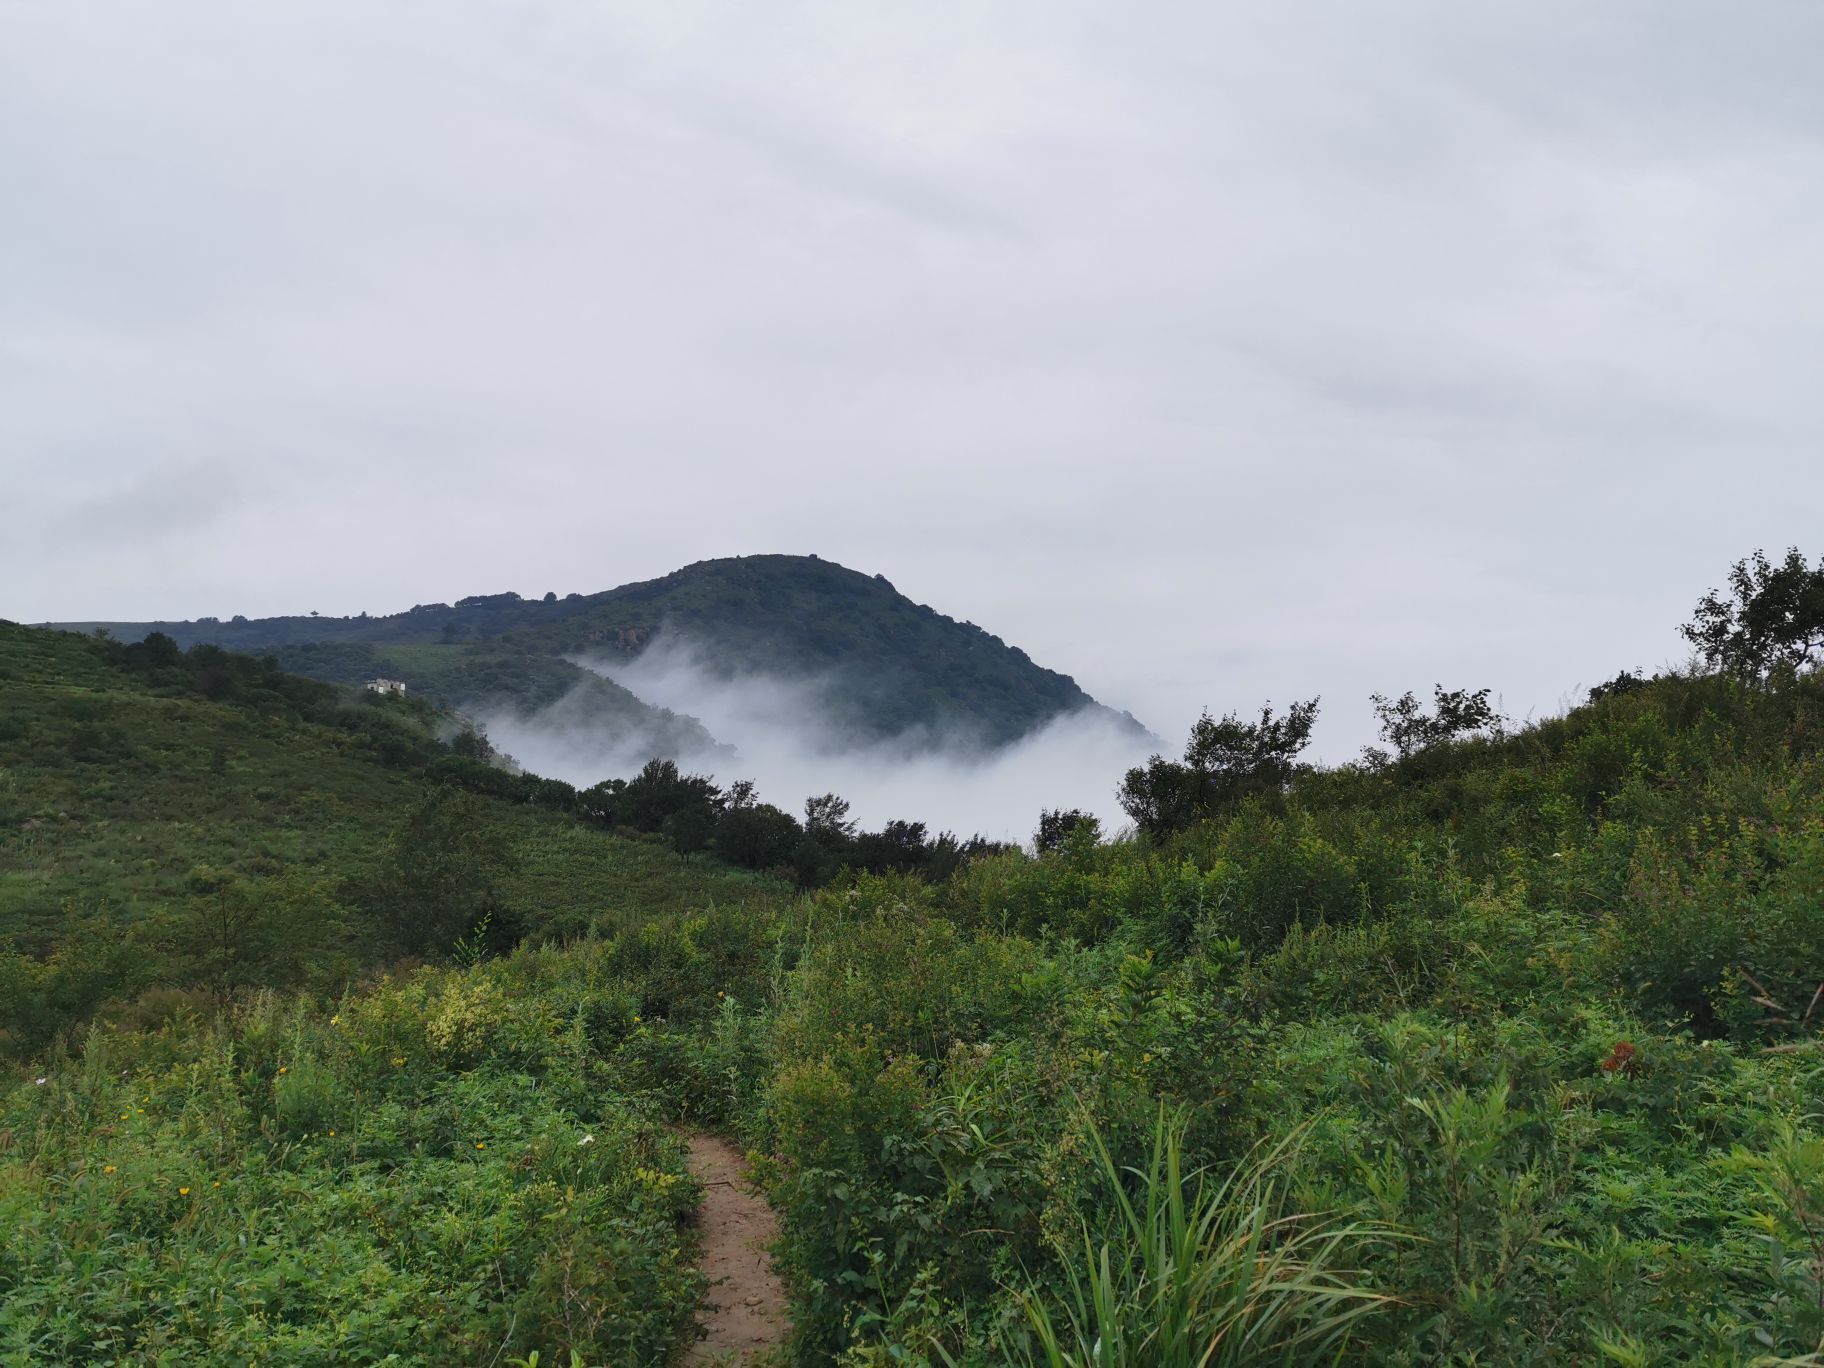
(386, 686)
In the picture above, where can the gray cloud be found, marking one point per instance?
(1208, 352)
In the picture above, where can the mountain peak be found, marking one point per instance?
(883, 666)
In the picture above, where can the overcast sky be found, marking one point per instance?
(1210, 352)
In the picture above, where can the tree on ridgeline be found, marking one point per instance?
(1057, 825)
(1627, 682)
(1770, 623)
(898, 847)
(1409, 729)
(472, 743)
(660, 793)
(828, 842)
(827, 818)
(753, 834)
(1224, 761)
(601, 803)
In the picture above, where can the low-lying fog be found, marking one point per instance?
(783, 743)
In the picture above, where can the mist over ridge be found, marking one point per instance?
(821, 678)
(786, 736)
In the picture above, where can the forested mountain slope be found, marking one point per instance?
(490, 678)
(883, 665)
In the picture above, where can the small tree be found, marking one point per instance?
(156, 651)
(827, 818)
(1160, 797)
(1627, 682)
(898, 846)
(225, 929)
(1235, 755)
(1057, 825)
(754, 834)
(1225, 761)
(601, 803)
(1409, 729)
(690, 829)
(660, 793)
(241, 932)
(471, 743)
(1771, 621)
(829, 839)
(444, 874)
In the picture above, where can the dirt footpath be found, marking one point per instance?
(745, 1314)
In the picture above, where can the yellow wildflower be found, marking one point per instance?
(398, 1060)
(283, 1069)
(107, 1168)
(332, 1132)
(480, 1144)
(183, 1192)
(218, 1182)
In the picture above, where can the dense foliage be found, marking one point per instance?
(1530, 1025)
(440, 1170)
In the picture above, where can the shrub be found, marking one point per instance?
(1203, 1271)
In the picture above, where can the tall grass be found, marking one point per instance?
(1205, 1271)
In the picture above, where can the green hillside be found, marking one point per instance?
(265, 1148)
(886, 665)
(143, 801)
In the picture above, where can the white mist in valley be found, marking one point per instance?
(783, 740)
